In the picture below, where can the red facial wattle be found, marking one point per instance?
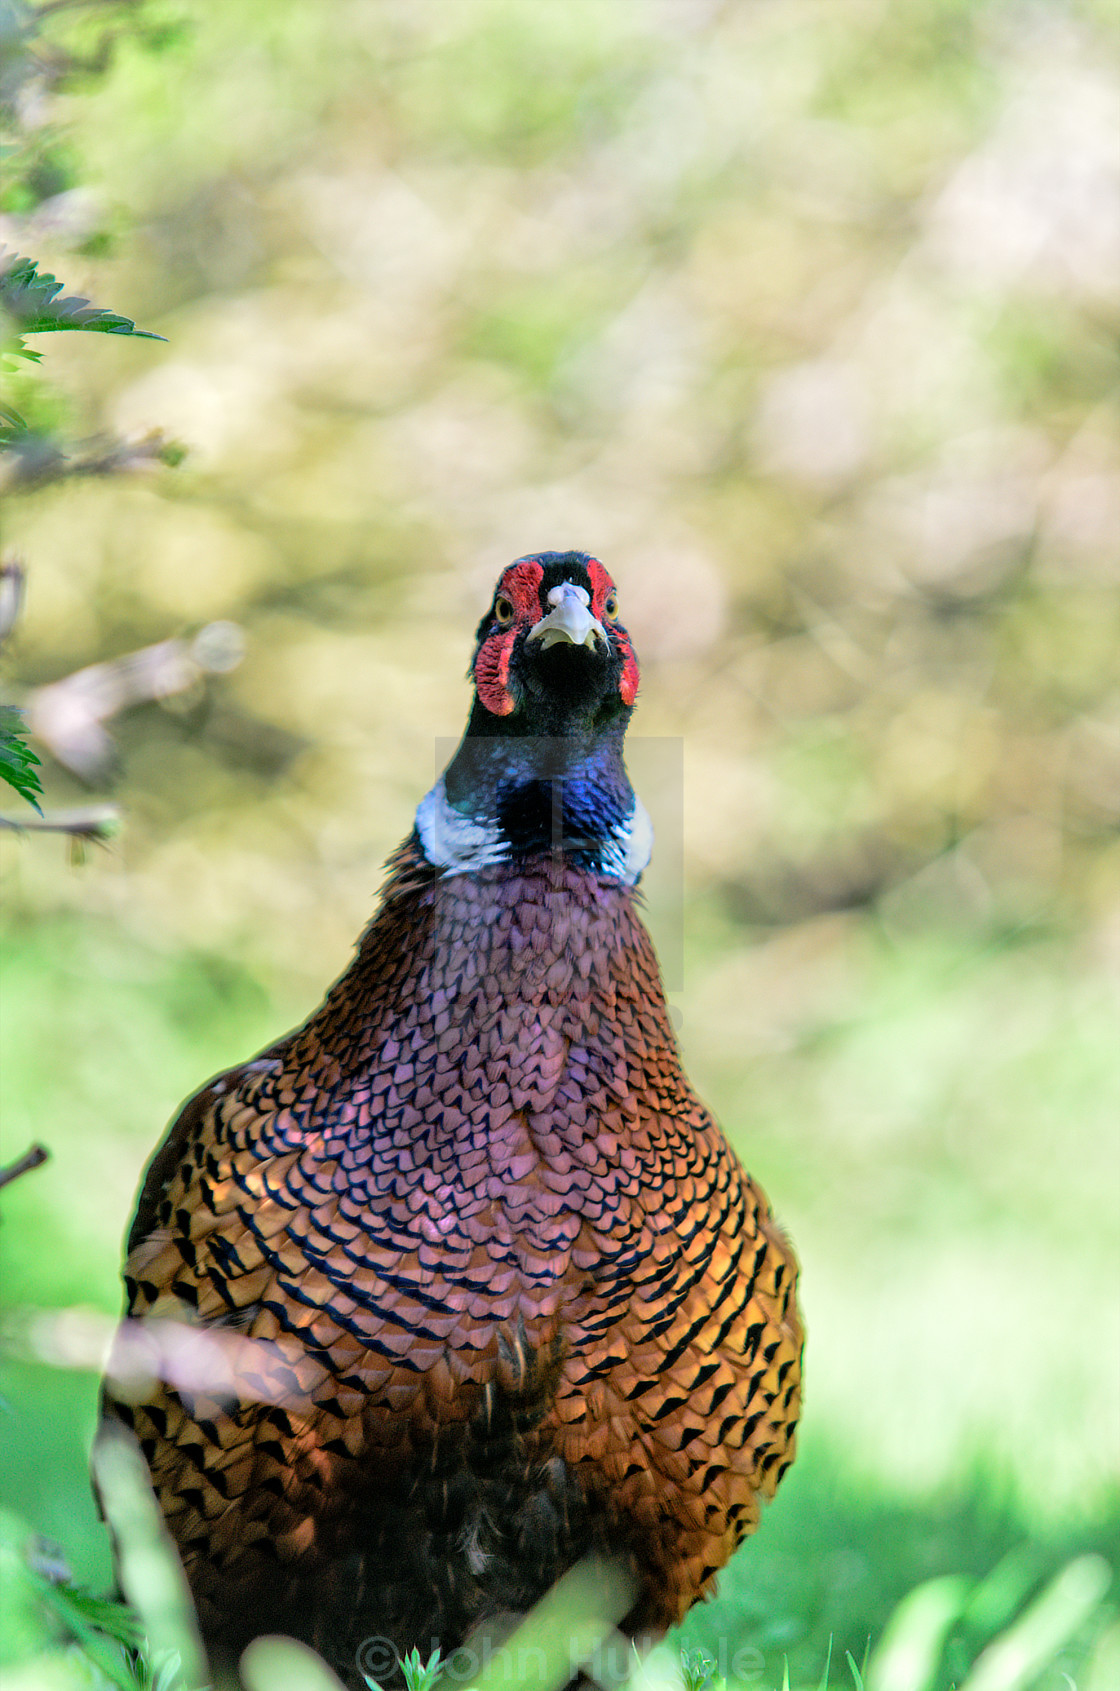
(520, 587)
(602, 587)
(628, 680)
(491, 672)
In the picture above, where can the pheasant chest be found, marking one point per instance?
(519, 1087)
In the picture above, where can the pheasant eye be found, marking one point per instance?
(610, 606)
(503, 612)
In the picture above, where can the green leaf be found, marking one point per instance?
(18, 762)
(281, 1664)
(1104, 1667)
(149, 1571)
(996, 1601)
(37, 305)
(82, 1609)
(908, 1656)
(697, 1670)
(12, 424)
(1019, 1654)
(70, 1608)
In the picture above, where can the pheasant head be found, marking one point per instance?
(540, 770)
(552, 657)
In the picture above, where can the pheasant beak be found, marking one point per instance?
(570, 620)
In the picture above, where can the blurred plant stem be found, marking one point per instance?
(33, 1158)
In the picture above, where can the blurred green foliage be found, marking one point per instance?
(803, 318)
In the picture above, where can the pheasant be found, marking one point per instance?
(512, 1298)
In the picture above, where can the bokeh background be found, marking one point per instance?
(802, 317)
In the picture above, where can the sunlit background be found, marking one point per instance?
(800, 315)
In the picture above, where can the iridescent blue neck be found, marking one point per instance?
(509, 798)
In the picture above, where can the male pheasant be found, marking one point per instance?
(515, 1299)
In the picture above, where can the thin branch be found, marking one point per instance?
(34, 1158)
(95, 823)
(31, 461)
(11, 595)
(48, 6)
(69, 716)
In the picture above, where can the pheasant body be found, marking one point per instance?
(511, 1296)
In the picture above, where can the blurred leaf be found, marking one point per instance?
(1001, 1594)
(12, 424)
(11, 595)
(39, 1608)
(84, 1617)
(908, 1657)
(148, 1566)
(281, 1664)
(1104, 1666)
(162, 1672)
(568, 1628)
(22, 1632)
(1014, 1660)
(116, 1620)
